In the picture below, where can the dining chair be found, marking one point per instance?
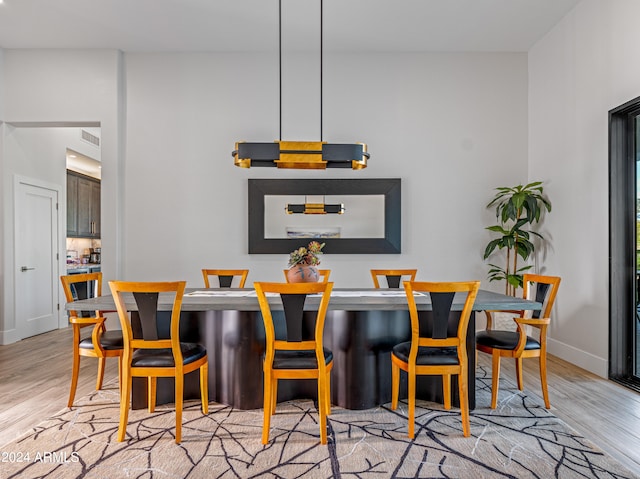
(517, 344)
(393, 277)
(296, 351)
(152, 356)
(225, 277)
(436, 346)
(323, 273)
(101, 344)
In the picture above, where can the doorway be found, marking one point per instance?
(36, 151)
(624, 244)
(36, 257)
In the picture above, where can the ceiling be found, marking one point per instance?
(252, 25)
(76, 161)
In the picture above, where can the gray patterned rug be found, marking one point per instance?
(520, 439)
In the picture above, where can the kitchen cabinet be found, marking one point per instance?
(83, 206)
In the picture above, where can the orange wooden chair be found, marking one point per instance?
(394, 277)
(433, 350)
(517, 344)
(296, 355)
(101, 344)
(151, 356)
(225, 277)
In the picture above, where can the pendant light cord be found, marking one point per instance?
(321, 56)
(280, 62)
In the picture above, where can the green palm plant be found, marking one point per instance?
(517, 208)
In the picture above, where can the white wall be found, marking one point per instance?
(584, 67)
(1, 85)
(48, 88)
(72, 137)
(3, 250)
(451, 126)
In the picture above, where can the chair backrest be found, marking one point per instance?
(225, 277)
(394, 277)
(81, 286)
(293, 334)
(144, 298)
(439, 329)
(323, 273)
(542, 289)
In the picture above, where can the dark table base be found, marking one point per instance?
(361, 342)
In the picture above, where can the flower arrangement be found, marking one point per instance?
(309, 255)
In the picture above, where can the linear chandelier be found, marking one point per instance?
(314, 208)
(304, 155)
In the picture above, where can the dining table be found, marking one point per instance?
(362, 326)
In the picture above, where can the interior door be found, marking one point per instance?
(36, 262)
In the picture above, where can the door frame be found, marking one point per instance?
(62, 320)
(622, 243)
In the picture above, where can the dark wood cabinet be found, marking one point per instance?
(83, 206)
(72, 204)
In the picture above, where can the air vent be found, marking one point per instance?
(88, 137)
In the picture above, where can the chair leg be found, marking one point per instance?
(446, 390)
(543, 380)
(125, 395)
(519, 374)
(151, 393)
(412, 403)
(464, 403)
(179, 400)
(322, 407)
(274, 395)
(75, 370)
(327, 397)
(495, 377)
(204, 387)
(266, 405)
(101, 365)
(120, 373)
(395, 385)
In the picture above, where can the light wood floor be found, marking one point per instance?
(35, 377)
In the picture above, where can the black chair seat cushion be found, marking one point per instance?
(504, 340)
(427, 356)
(109, 340)
(163, 358)
(306, 359)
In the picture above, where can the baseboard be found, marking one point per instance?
(63, 320)
(9, 336)
(580, 358)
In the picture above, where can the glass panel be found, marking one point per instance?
(636, 320)
(363, 217)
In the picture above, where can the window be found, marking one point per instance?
(624, 244)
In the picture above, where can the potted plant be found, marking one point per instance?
(303, 262)
(517, 209)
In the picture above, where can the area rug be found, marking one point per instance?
(520, 439)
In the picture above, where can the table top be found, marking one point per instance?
(342, 299)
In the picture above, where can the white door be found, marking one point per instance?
(36, 262)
